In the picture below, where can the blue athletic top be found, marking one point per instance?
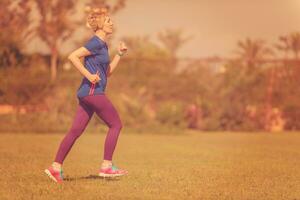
(98, 61)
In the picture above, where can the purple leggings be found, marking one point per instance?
(86, 108)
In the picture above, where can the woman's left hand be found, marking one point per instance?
(122, 48)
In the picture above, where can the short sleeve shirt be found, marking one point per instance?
(98, 61)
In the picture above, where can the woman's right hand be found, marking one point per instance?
(94, 78)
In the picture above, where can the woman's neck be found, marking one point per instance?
(102, 35)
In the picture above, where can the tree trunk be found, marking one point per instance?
(270, 88)
(53, 67)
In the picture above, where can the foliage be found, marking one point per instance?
(147, 88)
(14, 31)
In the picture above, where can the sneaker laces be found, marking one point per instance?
(113, 167)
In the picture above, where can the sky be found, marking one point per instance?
(215, 25)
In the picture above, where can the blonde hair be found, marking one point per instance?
(95, 17)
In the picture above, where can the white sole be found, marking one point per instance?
(110, 175)
(50, 175)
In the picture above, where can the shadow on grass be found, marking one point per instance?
(93, 177)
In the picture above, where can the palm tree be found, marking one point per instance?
(294, 43)
(290, 43)
(283, 46)
(172, 40)
(253, 51)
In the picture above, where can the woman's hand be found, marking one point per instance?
(113, 64)
(122, 48)
(94, 78)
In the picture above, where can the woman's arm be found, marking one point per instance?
(113, 64)
(75, 56)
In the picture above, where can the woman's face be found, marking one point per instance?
(107, 25)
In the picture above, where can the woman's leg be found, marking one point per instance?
(82, 117)
(107, 112)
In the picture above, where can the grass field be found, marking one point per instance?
(187, 166)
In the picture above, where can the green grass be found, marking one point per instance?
(187, 166)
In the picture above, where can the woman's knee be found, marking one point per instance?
(75, 132)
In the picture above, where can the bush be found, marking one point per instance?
(171, 113)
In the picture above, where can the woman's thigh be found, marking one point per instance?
(104, 109)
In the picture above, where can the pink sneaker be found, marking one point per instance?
(55, 175)
(112, 171)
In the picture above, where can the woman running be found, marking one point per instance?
(91, 95)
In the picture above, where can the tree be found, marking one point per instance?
(172, 40)
(143, 47)
(290, 43)
(283, 45)
(56, 25)
(113, 8)
(14, 31)
(252, 51)
(294, 43)
(287, 92)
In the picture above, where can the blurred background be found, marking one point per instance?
(206, 65)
